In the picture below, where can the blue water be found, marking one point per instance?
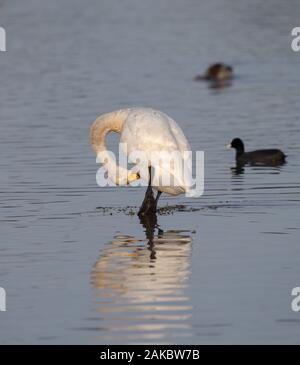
(76, 263)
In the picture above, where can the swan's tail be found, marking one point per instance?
(109, 122)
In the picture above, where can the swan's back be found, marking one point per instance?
(148, 130)
(153, 131)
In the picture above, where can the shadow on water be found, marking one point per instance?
(141, 286)
(239, 168)
(219, 85)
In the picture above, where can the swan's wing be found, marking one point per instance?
(151, 130)
(183, 144)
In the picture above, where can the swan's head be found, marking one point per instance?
(124, 179)
(133, 177)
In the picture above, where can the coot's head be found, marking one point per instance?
(219, 71)
(238, 144)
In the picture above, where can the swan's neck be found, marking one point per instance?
(110, 122)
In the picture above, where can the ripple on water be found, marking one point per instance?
(141, 287)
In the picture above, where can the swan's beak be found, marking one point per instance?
(133, 177)
(228, 145)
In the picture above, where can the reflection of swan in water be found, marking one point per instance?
(141, 287)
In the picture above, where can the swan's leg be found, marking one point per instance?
(148, 205)
(156, 199)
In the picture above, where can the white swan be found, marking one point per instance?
(147, 130)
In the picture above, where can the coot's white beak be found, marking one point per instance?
(228, 145)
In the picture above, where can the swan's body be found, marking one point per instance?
(147, 130)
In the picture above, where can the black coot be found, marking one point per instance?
(217, 72)
(259, 157)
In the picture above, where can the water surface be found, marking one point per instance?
(77, 264)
